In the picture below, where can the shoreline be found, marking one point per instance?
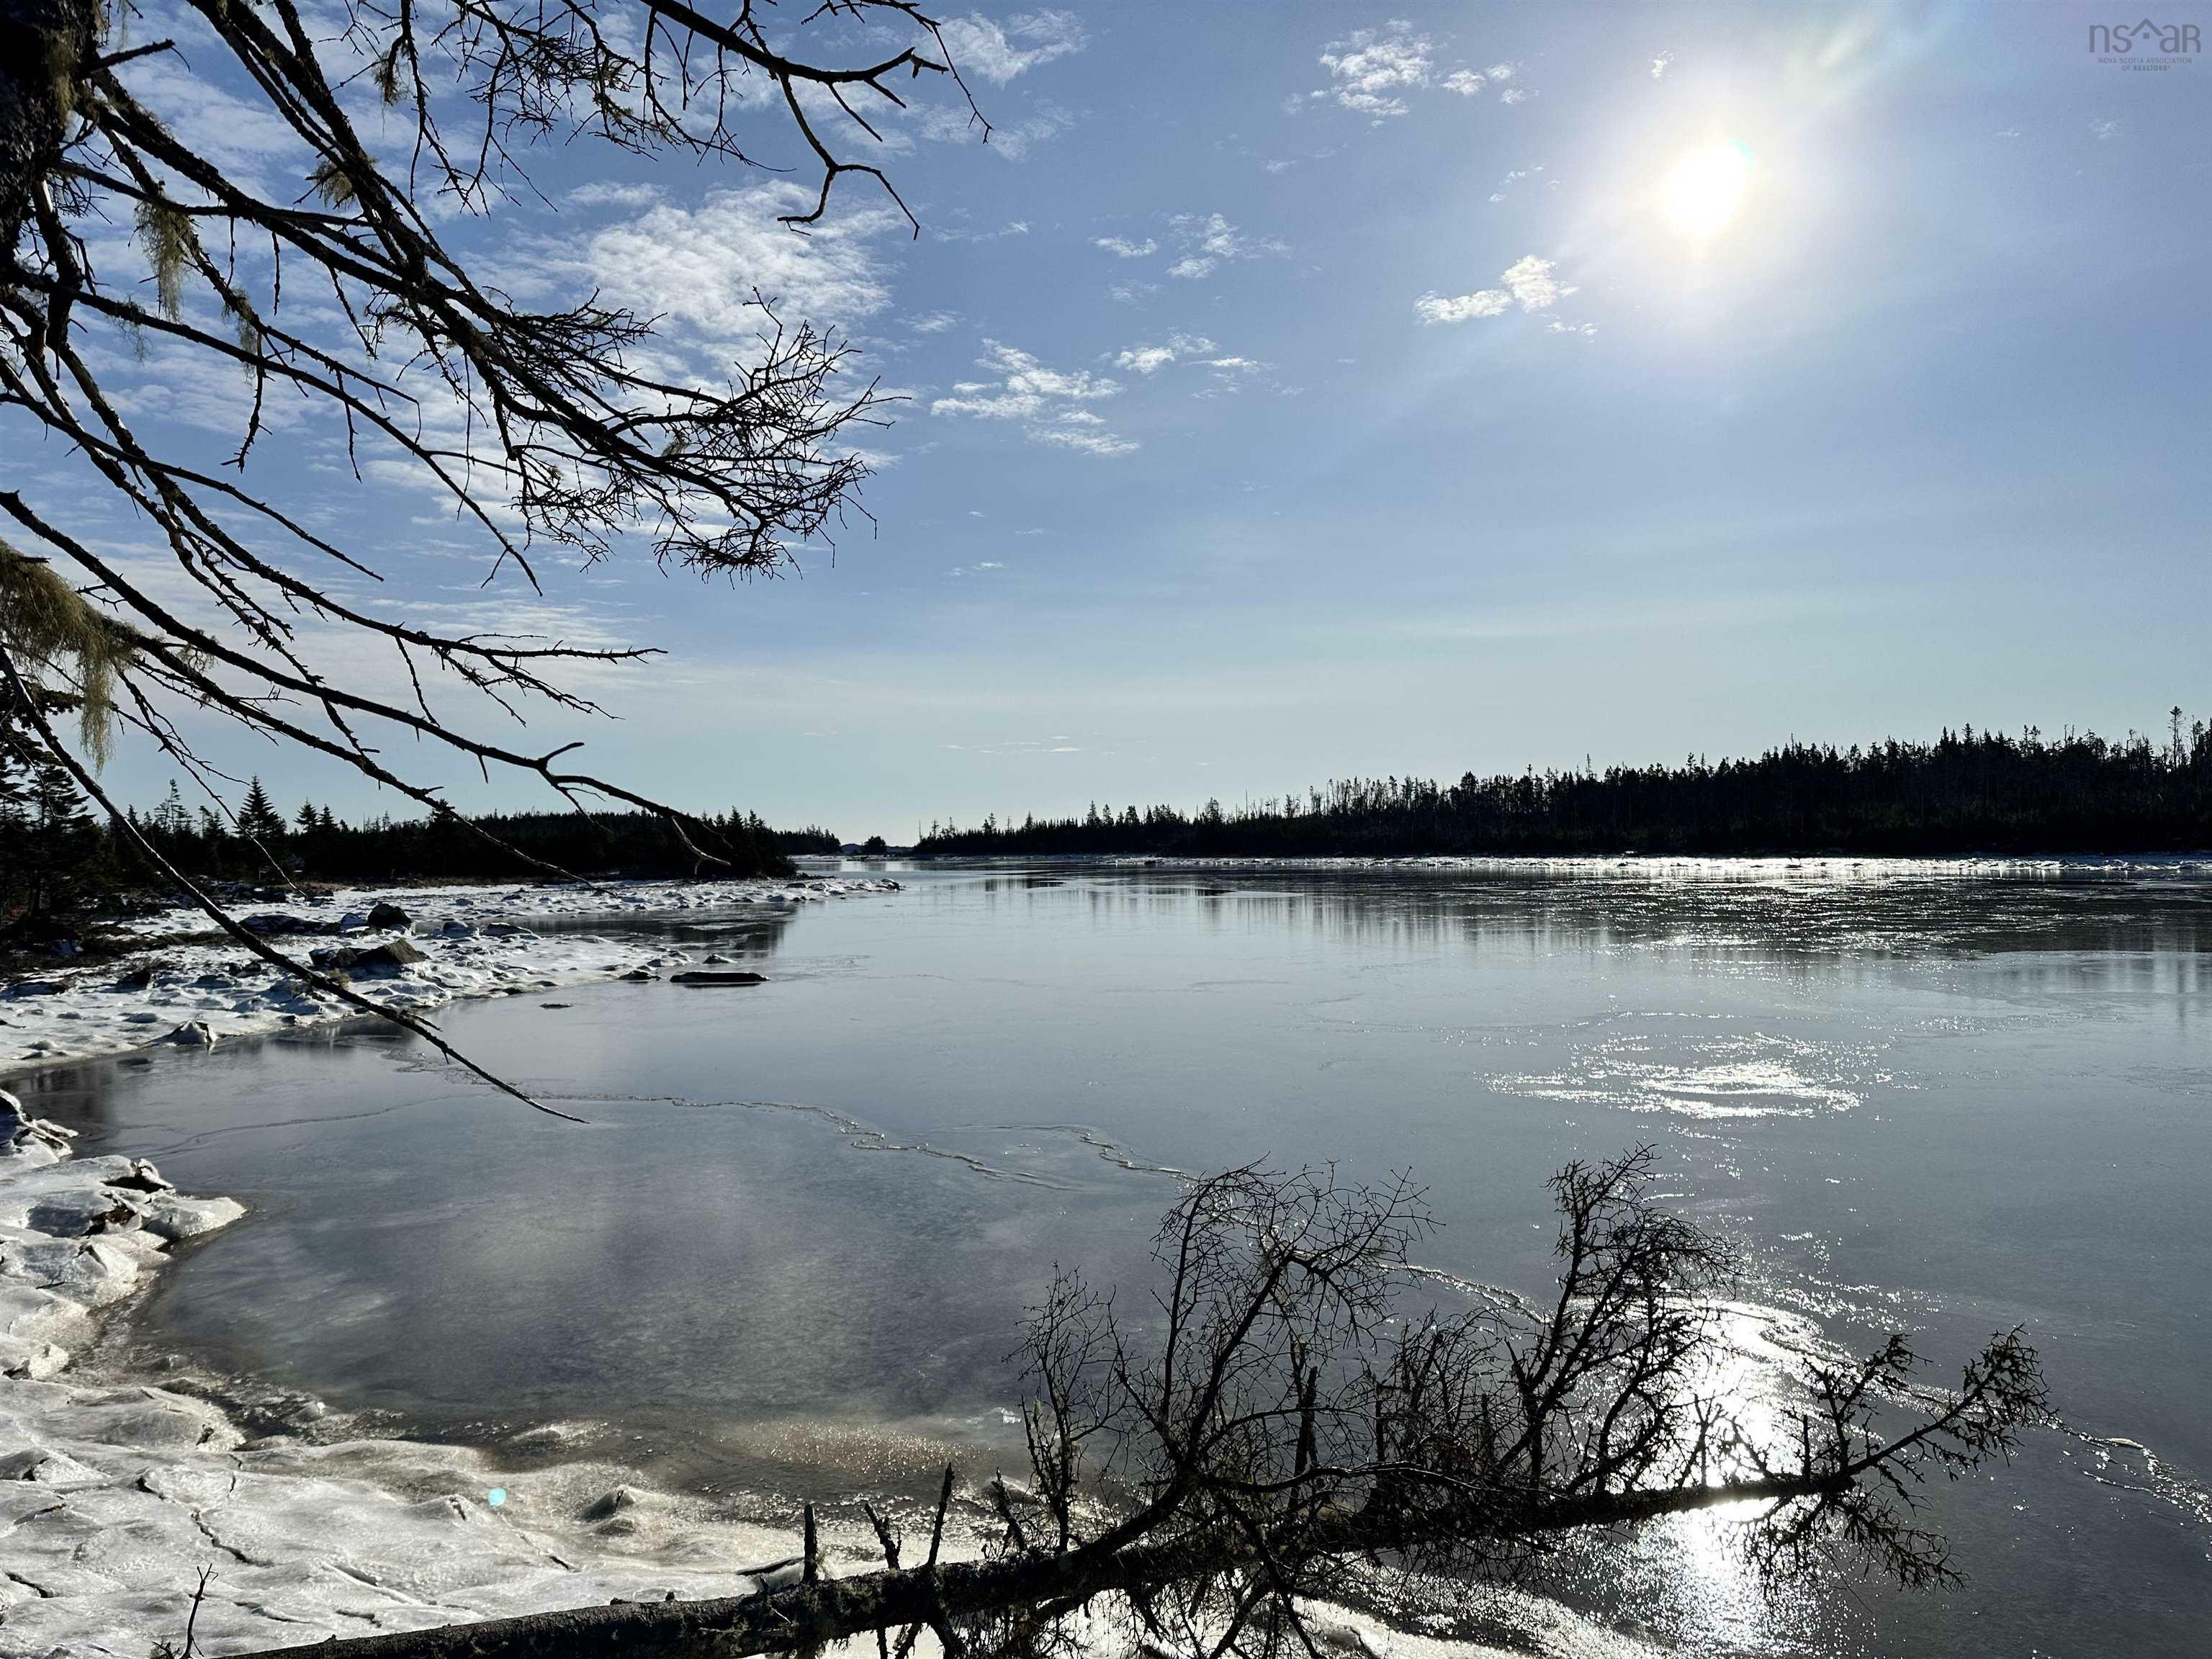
(115, 1493)
(1837, 867)
(128, 1509)
(475, 941)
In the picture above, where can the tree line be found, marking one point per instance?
(1968, 792)
(57, 861)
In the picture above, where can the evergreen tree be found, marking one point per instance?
(15, 829)
(257, 819)
(63, 856)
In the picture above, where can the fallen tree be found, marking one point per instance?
(1276, 1432)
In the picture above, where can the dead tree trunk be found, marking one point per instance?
(804, 1616)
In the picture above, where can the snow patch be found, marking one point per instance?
(417, 948)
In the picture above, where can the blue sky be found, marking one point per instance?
(1293, 392)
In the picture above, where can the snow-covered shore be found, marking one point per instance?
(115, 1497)
(474, 941)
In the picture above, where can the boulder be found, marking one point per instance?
(193, 1034)
(389, 958)
(384, 915)
(274, 924)
(611, 1505)
(713, 976)
(35, 987)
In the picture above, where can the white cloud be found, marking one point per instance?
(1459, 308)
(931, 322)
(1515, 96)
(1210, 242)
(1466, 82)
(1530, 282)
(1150, 359)
(1051, 403)
(246, 138)
(1010, 141)
(2101, 130)
(605, 193)
(699, 267)
(1012, 227)
(1369, 68)
(1130, 293)
(1499, 72)
(1659, 65)
(998, 52)
(1088, 443)
(1527, 282)
(1122, 248)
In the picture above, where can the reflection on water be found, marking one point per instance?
(799, 1229)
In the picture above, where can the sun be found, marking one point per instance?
(1706, 189)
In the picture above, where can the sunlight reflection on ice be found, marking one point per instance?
(1755, 1075)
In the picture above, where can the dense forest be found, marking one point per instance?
(1968, 792)
(57, 861)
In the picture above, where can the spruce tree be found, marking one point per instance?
(257, 819)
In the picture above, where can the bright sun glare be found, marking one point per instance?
(1705, 189)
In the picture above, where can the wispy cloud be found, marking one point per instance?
(606, 193)
(1513, 178)
(1373, 71)
(1012, 227)
(1122, 248)
(1369, 69)
(1434, 308)
(997, 52)
(1527, 282)
(1053, 405)
(1010, 141)
(1210, 242)
(1659, 65)
(1150, 359)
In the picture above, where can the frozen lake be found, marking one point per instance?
(792, 1245)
